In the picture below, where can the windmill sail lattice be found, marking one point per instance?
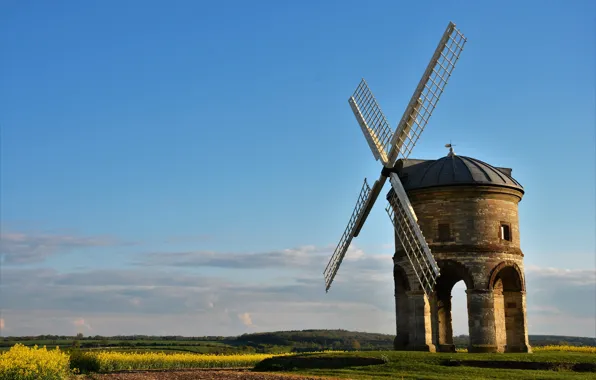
(408, 232)
(388, 146)
(427, 94)
(373, 123)
(346, 238)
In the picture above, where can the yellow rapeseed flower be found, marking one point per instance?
(585, 349)
(117, 361)
(24, 363)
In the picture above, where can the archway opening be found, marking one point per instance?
(459, 315)
(402, 308)
(507, 286)
(452, 273)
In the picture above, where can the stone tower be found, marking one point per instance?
(468, 213)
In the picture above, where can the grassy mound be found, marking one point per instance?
(314, 361)
(531, 365)
(423, 365)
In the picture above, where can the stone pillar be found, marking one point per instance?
(481, 321)
(500, 328)
(420, 322)
(434, 319)
(524, 326)
(515, 322)
(402, 313)
(402, 308)
(444, 328)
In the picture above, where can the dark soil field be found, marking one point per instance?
(197, 375)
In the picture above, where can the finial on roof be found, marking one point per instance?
(451, 152)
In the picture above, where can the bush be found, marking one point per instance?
(83, 361)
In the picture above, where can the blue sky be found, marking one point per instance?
(137, 133)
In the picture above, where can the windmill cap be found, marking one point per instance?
(453, 170)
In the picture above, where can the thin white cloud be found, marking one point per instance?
(245, 319)
(135, 301)
(292, 296)
(18, 248)
(80, 322)
(544, 309)
(295, 258)
(188, 239)
(572, 276)
(289, 258)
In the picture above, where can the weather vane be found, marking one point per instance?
(450, 146)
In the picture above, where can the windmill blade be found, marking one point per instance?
(372, 121)
(427, 93)
(408, 232)
(341, 249)
(374, 194)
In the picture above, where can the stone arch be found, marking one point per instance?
(510, 275)
(402, 307)
(451, 273)
(401, 278)
(454, 271)
(507, 284)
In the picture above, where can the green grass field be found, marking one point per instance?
(554, 357)
(441, 366)
(549, 362)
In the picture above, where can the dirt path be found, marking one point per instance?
(197, 374)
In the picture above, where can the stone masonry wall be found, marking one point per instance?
(474, 215)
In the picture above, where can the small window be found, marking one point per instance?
(444, 232)
(505, 232)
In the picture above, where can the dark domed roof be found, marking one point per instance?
(453, 170)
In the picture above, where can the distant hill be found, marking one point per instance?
(319, 339)
(344, 338)
(276, 341)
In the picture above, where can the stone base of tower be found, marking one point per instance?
(413, 320)
(481, 321)
(483, 348)
(496, 310)
(425, 348)
(525, 349)
(446, 348)
(412, 347)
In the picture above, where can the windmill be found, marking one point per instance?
(388, 146)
